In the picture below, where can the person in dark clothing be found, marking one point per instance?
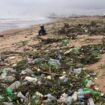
(42, 30)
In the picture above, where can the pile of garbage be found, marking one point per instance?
(52, 77)
(91, 28)
(38, 88)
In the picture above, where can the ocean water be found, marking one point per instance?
(8, 24)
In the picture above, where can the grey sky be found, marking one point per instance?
(36, 8)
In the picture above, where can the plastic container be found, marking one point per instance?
(88, 83)
(31, 79)
(69, 100)
(54, 63)
(8, 103)
(9, 92)
(91, 91)
(75, 96)
(91, 101)
(81, 98)
(15, 85)
(65, 42)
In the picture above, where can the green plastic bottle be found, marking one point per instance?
(65, 42)
(95, 93)
(91, 91)
(86, 91)
(76, 50)
(9, 93)
(88, 83)
(85, 82)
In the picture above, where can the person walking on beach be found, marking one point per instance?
(42, 30)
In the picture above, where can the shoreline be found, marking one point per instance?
(28, 26)
(10, 38)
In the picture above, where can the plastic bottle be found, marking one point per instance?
(80, 92)
(31, 79)
(65, 42)
(86, 92)
(75, 96)
(69, 100)
(81, 95)
(95, 93)
(54, 63)
(8, 103)
(4, 74)
(15, 85)
(9, 92)
(91, 91)
(88, 83)
(81, 98)
(91, 101)
(1, 97)
(76, 50)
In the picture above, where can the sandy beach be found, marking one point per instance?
(52, 52)
(9, 38)
(11, 35)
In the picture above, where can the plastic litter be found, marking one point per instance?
(64, 78)
(91, 101)
(15, 85)
(88, 83)
(31, 79)
(55, 63)
(4, 74)
(27, 72)
(46, 71)
(76, 50)
(49, 99)
(1, 97)
(21, 95)
(65, 42)
(8, 103)
(86, 91)
(65, 99)
(9, 93)
(75, 96)
(77, 71)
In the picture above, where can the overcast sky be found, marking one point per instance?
(41, 8)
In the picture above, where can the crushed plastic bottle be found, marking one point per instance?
(91, 101)
(88, 83)
(1, 97)
(23, 97)
(91, 91)
(55, 63)
(76, 50)
(9, 93)
(64, 78)
(4, 74)
(38, 60)
(15, 85)
(8, 103)
(49, 99)
(66, 99)
(31, 79)
(69, 100)
(65, 42)
(27, 72)
(75, 96)
(77, 71)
